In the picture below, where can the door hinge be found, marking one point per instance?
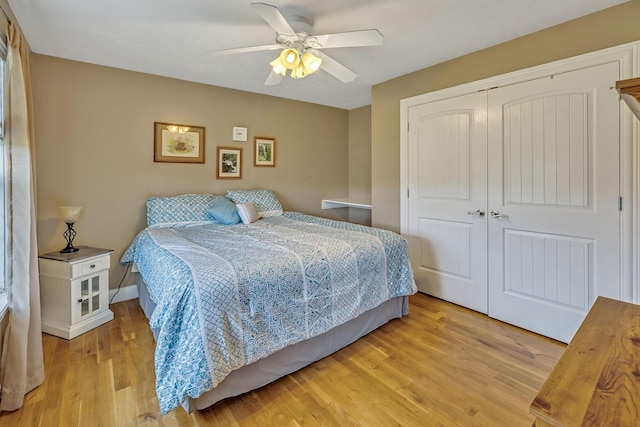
(407, 193)
(408, 125)
(620, 204)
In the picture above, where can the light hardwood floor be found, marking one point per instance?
(442, 365)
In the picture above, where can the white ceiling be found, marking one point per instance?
(173, 37)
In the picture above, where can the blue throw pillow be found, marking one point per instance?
(223, 211)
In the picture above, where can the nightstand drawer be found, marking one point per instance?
(75, 265)
(90, 266)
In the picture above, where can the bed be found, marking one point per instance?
(240, 293)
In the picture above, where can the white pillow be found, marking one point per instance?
(248, 212)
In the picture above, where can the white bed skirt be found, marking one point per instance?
(292, 358)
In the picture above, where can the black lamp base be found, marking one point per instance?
(69, 234)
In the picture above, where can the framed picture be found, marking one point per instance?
(175, 143)
(239, 134)
(229, 162)
(265, 151)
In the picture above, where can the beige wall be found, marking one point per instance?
(611, 27)
(94, 146)
(360, 161)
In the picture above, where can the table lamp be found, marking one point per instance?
(69, 215)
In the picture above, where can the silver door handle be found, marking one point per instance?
(496, 214)
(478, 212)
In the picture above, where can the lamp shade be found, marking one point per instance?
(299, 72)
(70, 214)
(311, 62)
(278, 68)
(290, 58)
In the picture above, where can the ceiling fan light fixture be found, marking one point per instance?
(277, 66)
(289, 58)
(299, 72)
(311, 62)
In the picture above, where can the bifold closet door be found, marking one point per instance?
(554, 186)
(514, 199)
(447, 224)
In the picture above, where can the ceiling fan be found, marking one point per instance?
(301, 49)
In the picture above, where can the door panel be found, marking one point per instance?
(554, 244)
(534, 267)
(448, 182)
(545, 150)
(453, 243)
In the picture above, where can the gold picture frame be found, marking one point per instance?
(175, 143)
(229, 164)
(264, 152)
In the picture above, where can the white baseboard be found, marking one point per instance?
(125, 293)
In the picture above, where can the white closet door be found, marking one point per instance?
(447, 173)
(554, 183)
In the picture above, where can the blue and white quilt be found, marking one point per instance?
(227, 296)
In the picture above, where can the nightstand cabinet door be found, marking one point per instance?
(88, 295)
(74, 291)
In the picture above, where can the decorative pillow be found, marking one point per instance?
(248, 212)
(266, 201)
(185, 207)
(223, 211)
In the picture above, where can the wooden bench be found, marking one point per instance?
(596, 382)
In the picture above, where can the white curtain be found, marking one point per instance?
(21, 364)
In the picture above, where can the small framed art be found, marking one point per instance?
(265, 151)
(239, 134)
(229, 162)
(175, 143)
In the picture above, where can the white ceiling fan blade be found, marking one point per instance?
(272, 15)
(246, 49)
(349, 39)
(273, 78)
(336, 69)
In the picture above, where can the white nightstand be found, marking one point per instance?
(74, 291)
